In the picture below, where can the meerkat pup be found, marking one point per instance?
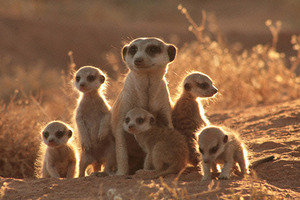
(188, 114)
(220, 147)
(166, 149)
(59, 158)
(93, 122)
(145, 86)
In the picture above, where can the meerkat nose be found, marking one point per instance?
(138, 61)
(215, 90)
(82, 84)
(206, 160)
(131, 127)
(51, 142)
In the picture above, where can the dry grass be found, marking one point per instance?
(244, 78)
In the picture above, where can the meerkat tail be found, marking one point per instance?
(260, 161)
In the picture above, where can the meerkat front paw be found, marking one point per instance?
(224, 176)
(206, 178)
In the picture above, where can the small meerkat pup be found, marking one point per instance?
(166, 149)
(188, 114)
(59, 157)
(145, 86)
(93, 122)
(220, 147)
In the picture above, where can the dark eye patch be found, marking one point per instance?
(201, 150)
(127, 120)
(46, 134)
(59, 134)
(132, 50)
(153, 49)
(77, 78)
(140, 120)
(214, 149)
(91, 78)
(203, 86)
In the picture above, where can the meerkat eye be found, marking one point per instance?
(91, 78)
(127, 120)
(214, 149)
(140, 120)
(77, 78)
(201, 150)
(59, 134)
(46, 134)
(132, 50)
(153, 49)
(203, 86)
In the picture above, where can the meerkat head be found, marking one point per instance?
(138, 120)
(56, 133)
(88, 79)
(148, 54)
(199, 85)
(212, 142)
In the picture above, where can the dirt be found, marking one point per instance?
(266, 130)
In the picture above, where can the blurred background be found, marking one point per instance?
(43, 31)
(40, 33)
(250, 48)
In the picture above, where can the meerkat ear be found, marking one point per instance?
(70, 133)
(187, 87)
(102, 78)
(152, 120)
(171, 52)
(124, 52)
(225, 139)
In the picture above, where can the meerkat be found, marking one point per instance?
(145, 86)
(188, 114)
(166, 149)
(58, 158)
(220, 147)
(93, 122)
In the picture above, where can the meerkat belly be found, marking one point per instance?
(91, 118)
(158, 99)
(62, 162)
(62, 167)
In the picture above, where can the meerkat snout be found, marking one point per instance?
(88, 78)
(138, 61)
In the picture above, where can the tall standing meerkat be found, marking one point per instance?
(93, 122)
(166, 149)
(220, 147)
(145, 86)
(188, 114)
(58, 158)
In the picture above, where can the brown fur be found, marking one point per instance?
(166, 149)
(57, 155)
(187, 114)
(145, 86)
(221, 147)
(93, 122)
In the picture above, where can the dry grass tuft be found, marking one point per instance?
(245, 77)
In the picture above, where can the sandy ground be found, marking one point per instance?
(267, 130)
